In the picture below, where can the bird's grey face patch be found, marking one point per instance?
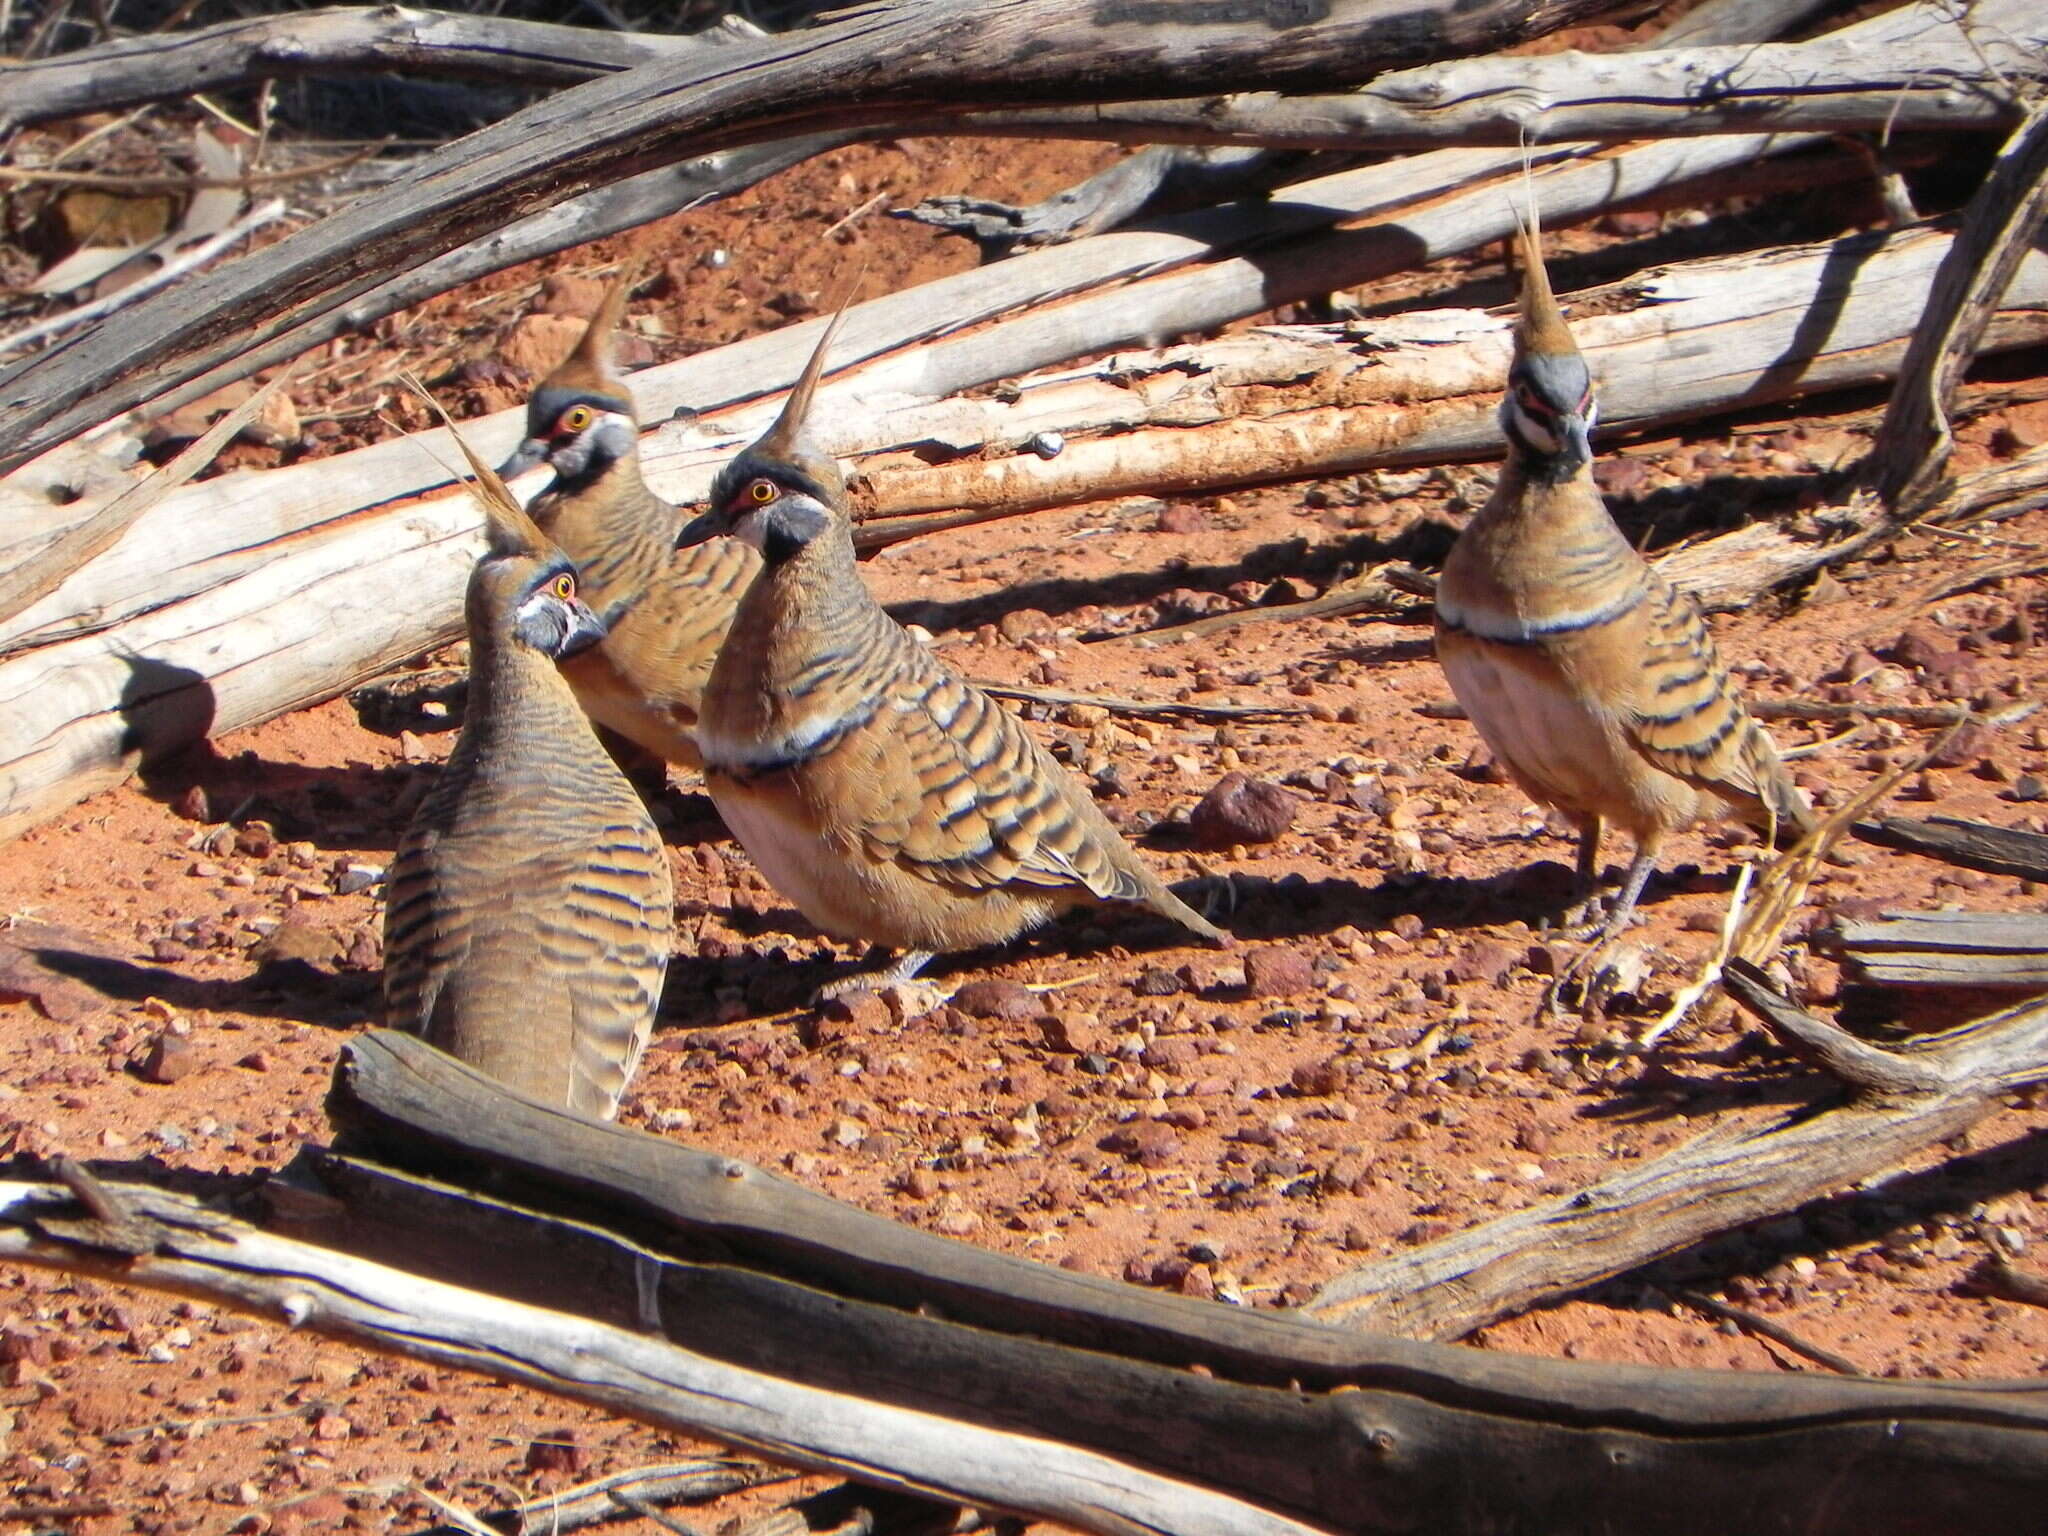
(607, 438)
(784, 526)
(1549, 409)
(553, 619)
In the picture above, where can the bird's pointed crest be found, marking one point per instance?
(593, 366)
(1540, 328)
(507, 528)
(786, 439)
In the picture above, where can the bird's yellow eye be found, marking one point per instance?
(563, 586)
(576, 418)
(762, 492)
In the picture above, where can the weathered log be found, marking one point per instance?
(195, 587)
(649, 195)
(337, 41)
(1930, 79)
(2003, 950)
(625, 1366)
(1747, 312)
(1998, 228)
(874, 65)
(1972, 844)
(1896, 1102)
(1157, 291)
(703, 1294)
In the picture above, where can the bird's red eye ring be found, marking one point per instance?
(575, 419)
(761, 492)
(563, 586)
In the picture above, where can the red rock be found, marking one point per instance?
(1918, 646)
(1242, 809)
(169, 1058)
(1022, 624)
(1489, 960)
(1178, 517)
(365, 950)
(1971, 744)
(1149, 1145)
(1171, 1054)
(554, 1450)
(17, 1346)
(1320, 1079)
(300, 942)
(256, 840)
(993, 999)
(2027, 424)
(1276, 971)
(1620, 476)
(1077, 1033)
(1156, 982)
(332, 1426)
(194, 804)
(537, 343)
(862, 1012)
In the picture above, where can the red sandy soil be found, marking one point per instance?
(1140, 1115)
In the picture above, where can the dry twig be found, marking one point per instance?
(1146, 709)
(1777, 1333)
(174, 267)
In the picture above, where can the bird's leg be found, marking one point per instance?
(1631, 889)
(1618, 917)
(901, 969)
(1585, 907)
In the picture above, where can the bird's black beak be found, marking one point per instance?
(585, 630)
(529, 455)
(708, 525)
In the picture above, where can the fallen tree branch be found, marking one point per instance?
(2002, 950)
(872, 66)
(331, 41)
(1166, 294)
(1371, 593)
(598, 1500)
(223, 652)
(1896, 1102)
(1173, 423)
(620, 1367)
(1934, 78)
(704, 1295)
(1997, 232)
(339, 40)
(24, 585)
(1971, 844)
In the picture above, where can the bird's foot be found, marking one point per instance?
(873, 979)
(1599, 970)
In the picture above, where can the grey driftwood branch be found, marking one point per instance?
(1895, 1102)
(223, 652)
(1972, 844)
(1935, 79)
(1998, 229)
(340, 40)
(703, 1294)
(871, 65)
